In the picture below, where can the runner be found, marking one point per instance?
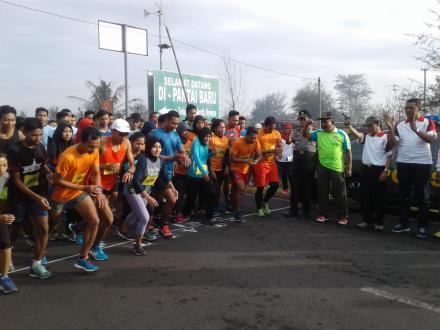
(113, 150)
(199, 182)
(5, 223)
(149, 169)
(219, 145)
(198, 124)
(8, 132)
(180, 178)
(27, 192)
(266, 171)
(245, 152)
(135, 121)
(61, 139)
(101, 120)
(72, 192)
(43, 116)
(232, 132)
(191, 112)
(172, 151)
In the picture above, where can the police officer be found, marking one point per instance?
(304, 165)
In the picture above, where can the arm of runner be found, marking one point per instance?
(16, 180)
(354, 131)
(139, 175)
(128, 176)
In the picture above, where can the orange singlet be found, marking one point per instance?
(108, 178)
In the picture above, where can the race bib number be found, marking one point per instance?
(31, 180)
(107, 172)
(150, 180)
(220, 152)
(79, 178)
(205, 167)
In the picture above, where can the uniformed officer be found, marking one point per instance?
(304, 165)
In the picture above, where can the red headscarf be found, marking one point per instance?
(82, 124)
(284, 135)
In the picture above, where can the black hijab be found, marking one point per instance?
(56, 144)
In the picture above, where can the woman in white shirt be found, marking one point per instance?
(285, 160)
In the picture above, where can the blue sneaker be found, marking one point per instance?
(39, 271)
(44, 261)
(400, 228)
(98, 253)
(79, 239)
(238, 217)
(8, 285)
(85, 265)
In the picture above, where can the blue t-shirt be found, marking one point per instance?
(171, 144)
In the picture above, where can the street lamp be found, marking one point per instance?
(161, 45)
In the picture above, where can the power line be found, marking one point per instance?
(178, 41)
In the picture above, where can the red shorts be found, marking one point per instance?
(264, 174)
(237, 176)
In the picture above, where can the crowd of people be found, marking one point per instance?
(78, 179)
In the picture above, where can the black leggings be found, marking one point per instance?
(273, 186)
(5, 239)
(203, 188)
(180, 182)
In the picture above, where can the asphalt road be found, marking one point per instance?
(271, 273)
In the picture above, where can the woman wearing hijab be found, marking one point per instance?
(60, 140)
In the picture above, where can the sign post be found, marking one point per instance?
(165, 93)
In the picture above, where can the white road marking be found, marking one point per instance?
(189, 228)
(401, 299)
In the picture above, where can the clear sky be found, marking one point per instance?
(44, 59)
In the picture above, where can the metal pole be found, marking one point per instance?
(160, 36)
(424, 89)
(319, 98)
(177, 63)
(124, 45)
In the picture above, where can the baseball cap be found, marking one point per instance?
(326, 115)
(372, 120)
(303, 114)
(121, 125)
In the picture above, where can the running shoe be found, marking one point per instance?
(378, 227)
(85, 265)
(79, 240)
(123, 235)
(72, 229)
(400, 228)
(322, 219)
(138, 250)
(423, 233)
(98, 253)
(8, 285)
(238, 217)
(260, 213)
(363, 225)
(39, 271)
(266, 209)
(437, 234)
(166, 232)
(11, 266)
(55, 236)
(44, 261)
(149, 236)
(180, 218)
(343, 221)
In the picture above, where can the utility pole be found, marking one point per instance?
(319, 97)
(424, 89)
(160, 12)
(124, 46)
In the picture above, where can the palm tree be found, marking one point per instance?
(104, 91)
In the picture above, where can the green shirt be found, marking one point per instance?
(331, 147)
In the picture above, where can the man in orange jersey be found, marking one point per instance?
(72, 191)
(245, 152)
(266, 172)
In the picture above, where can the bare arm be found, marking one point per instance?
(348, 163)
(355, 132)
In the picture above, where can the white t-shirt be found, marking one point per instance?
(411, 148)
(375, 149)
(287, 154)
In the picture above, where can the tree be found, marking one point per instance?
(104, 91)
(53, 112)
(306, 98)
(231, 77)
(137, 105)
(22, 114)
(354, 95)
(273, 104)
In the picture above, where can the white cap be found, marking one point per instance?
(121, 125)
(258, 126)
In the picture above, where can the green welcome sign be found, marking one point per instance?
(165, 93)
